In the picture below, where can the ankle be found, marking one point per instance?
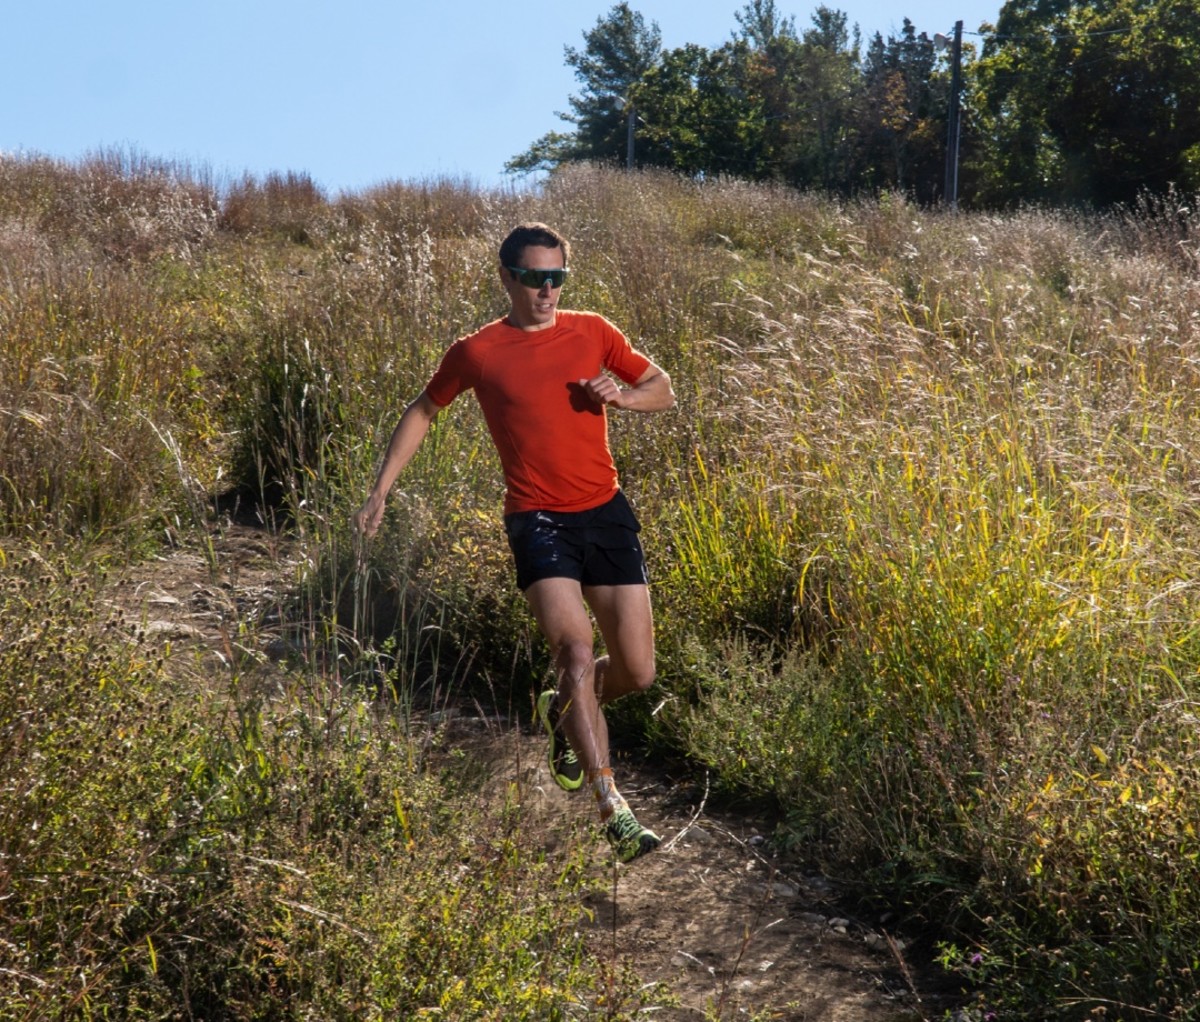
(604, 788)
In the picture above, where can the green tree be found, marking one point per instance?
(768, 54)
(700, 114)
(618, 51)
(828, 92)
(902, 126)
(1089, 103)
(762, 24)
(807, 86)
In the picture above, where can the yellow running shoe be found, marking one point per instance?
(565, 767)
(628, 838)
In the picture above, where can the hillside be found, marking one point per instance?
(921, 535)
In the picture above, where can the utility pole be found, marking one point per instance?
(954, 118)
(630, 117)
(629, 138)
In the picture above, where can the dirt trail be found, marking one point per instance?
(731, 932)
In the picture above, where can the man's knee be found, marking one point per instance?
(641, 677)
(575, 659)
(624, 677)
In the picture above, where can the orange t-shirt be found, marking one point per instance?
(552, 439)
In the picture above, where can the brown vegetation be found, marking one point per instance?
(922, 533)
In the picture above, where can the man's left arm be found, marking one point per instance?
(650, 392)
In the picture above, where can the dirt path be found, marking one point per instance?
(731, 932)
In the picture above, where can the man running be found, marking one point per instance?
(542, 378)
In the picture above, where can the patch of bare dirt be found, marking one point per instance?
(729, 930)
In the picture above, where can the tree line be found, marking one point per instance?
(1059, 102)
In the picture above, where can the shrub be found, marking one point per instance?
(171, 850)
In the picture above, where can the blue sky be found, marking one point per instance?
(353, 93)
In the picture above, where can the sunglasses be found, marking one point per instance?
(537, 278)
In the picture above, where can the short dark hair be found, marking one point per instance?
(523, 236)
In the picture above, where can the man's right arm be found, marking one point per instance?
(406, 438)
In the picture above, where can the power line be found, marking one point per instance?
(1052, 36)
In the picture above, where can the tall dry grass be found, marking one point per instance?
(990, 437)
(921, 528)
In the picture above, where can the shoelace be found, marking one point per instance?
(623, 824)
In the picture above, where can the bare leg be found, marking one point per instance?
(586, 684)
(557, 604)
(627, 624)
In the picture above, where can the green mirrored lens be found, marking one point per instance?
(536, 278)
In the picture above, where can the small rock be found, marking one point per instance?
(819, 884)
(699, 836)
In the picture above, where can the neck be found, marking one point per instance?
(516, 321)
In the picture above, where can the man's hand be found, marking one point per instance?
(406, 438)
(651, 393)
(368, 517)
(603, 390)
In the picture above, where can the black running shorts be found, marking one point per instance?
(597, 547)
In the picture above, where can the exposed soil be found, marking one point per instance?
(729, 930)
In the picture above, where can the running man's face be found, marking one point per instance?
(533, 308)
